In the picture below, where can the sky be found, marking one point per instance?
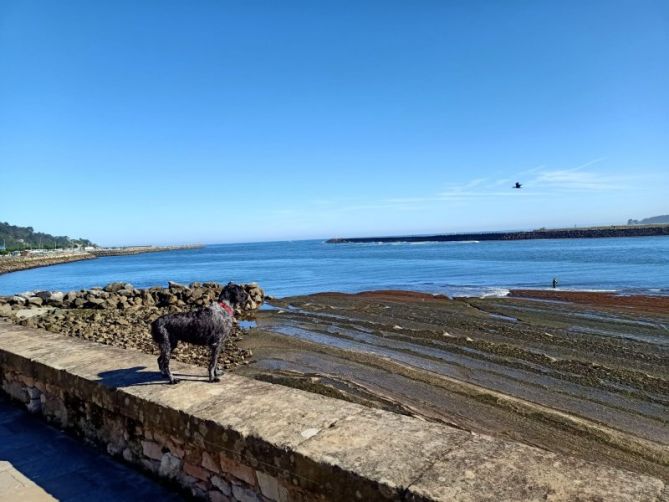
(164, 121)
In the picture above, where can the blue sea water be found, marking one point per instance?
(639, 264)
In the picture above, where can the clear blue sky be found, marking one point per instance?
(218, 121)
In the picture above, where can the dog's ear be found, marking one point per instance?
(225, 294)
(232, 293)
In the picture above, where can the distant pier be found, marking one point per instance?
(557, 233)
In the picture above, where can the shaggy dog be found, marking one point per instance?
(208, 326)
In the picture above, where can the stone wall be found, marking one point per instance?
(175, 454)
(243, 440)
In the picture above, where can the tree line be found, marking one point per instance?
(18, 238)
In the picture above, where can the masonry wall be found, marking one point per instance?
(173, 450)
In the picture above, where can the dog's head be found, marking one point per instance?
(235, 295)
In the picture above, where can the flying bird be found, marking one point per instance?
(517, 185)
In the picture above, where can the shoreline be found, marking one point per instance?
(557, 233)
(19, 263)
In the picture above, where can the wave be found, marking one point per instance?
(476, 291)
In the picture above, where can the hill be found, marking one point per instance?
(650, 221)
(16, 237)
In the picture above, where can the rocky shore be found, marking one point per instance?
(15, 263)
(120, 315)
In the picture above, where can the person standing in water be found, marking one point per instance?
(555, 282)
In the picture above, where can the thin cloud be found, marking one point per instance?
(531, 171)
(589, 163)
(579, 179)
(544, 183)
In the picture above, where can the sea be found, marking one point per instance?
(635, 265)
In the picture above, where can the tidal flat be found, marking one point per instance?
(585, 374)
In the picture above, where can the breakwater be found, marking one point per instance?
(16, 263)
(556, 233)
(130, 250)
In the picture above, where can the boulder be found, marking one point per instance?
(166, 298)
(36, 301)
(113, 287)
(70, 296)
(17, 300)
(197, 293)
(56, 299)
(176, 286)
(95, 303)
(57, 296)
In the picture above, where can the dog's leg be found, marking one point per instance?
(161, 363)
(168, 373)
(166, 345)
(213, 372)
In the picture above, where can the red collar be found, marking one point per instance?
(227, 308)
